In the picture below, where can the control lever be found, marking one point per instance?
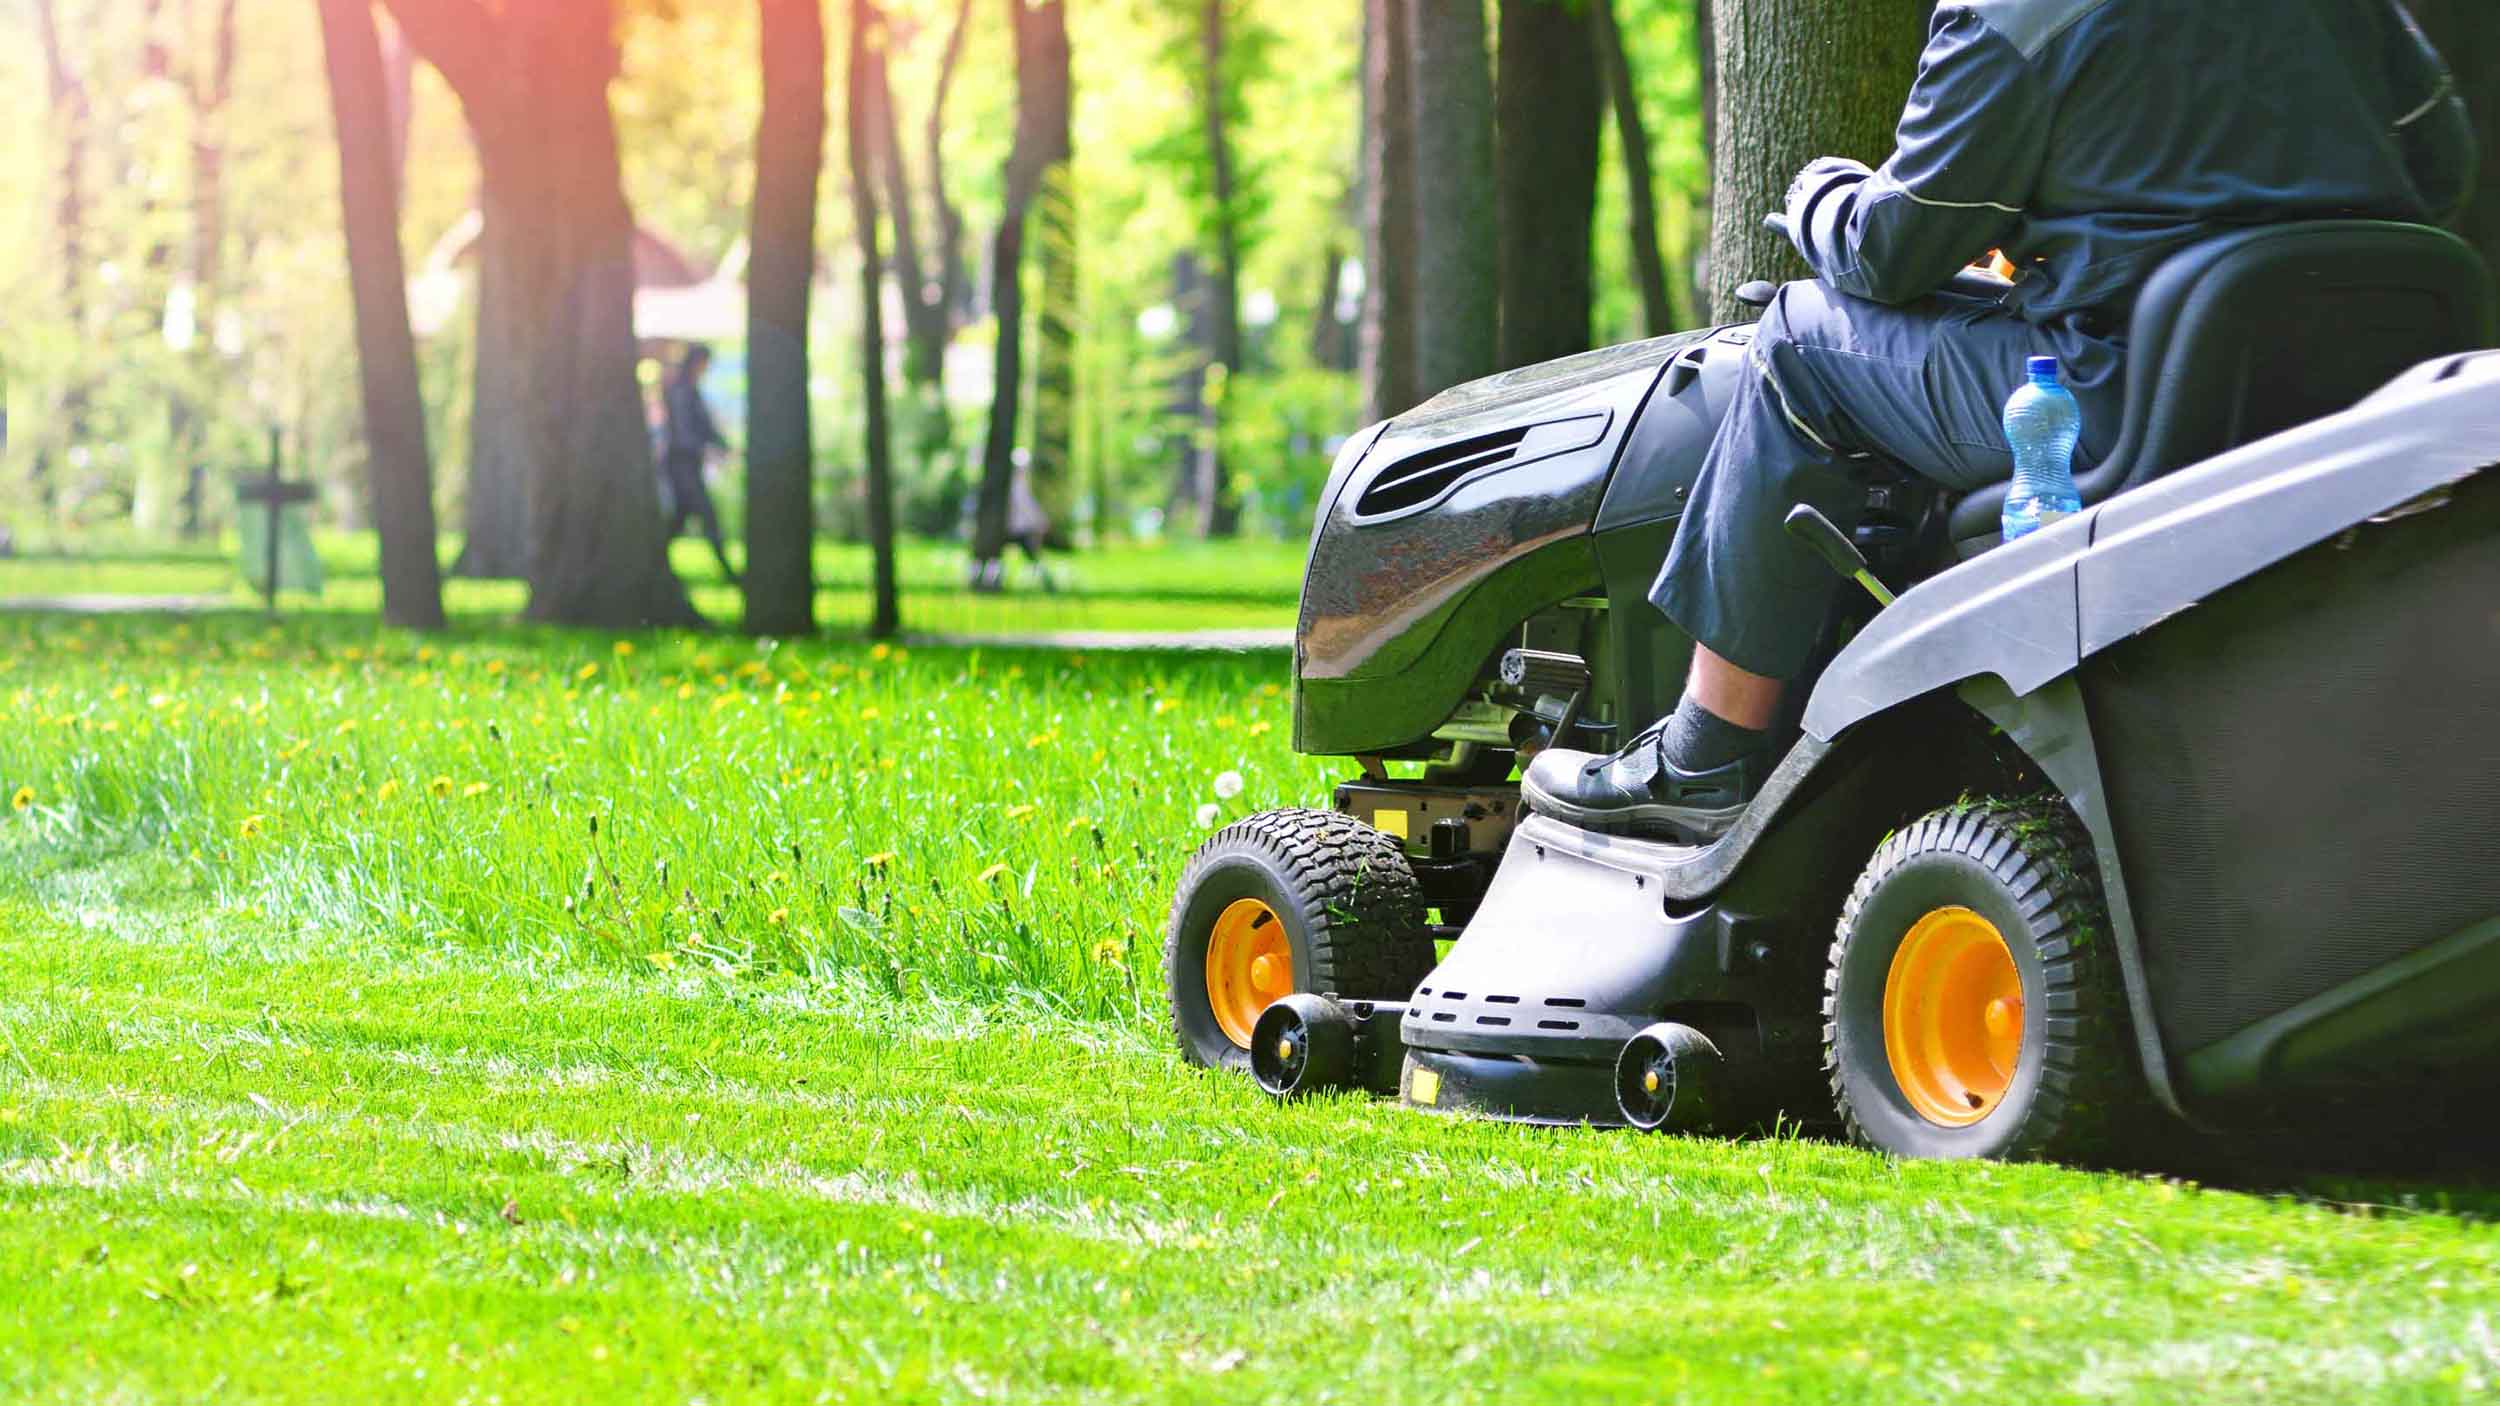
(1540, 672)
(1834, 547)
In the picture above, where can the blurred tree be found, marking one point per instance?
(1797, 79)
(781, 265)
(1658, 309)
(1219, 97)
(72, 117)
(1550, 106)
(396, 463)
(1455, 264)
(927, 279)
(2468, 35)
(1389, 369)
(1042, 101)
(865, 87)
(533, 80)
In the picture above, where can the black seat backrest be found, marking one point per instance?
(2256, 331)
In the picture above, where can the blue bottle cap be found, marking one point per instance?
(2043, 366)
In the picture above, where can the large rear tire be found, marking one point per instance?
(1974, 1005)
(1287, 901)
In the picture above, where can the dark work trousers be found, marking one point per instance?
(692, 499)
(1833, 384)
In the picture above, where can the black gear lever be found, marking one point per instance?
(1834, 547)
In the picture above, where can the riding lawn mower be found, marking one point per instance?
(2189, 802)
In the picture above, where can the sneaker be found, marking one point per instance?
(1638, 792)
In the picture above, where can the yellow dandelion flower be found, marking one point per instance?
(665, 961)
(778, 916)
(868, 715)
(685, 691)
(880, 860)
(1165, 705)
(386, 790)
(495, 666)
(120, 692)
(1261, 727)
(24, 799)
(344, 728)
(1223, 724)
(586, 672)
(1082, 822)
(440, 786)
(886, 764)
(1036, 741)
(1015, 671)
(881, 652)
(624, 648)
(253, 825)
(990, 875)
(1269, 690)
(474, 789)
(1020, 812)
(1110, 953)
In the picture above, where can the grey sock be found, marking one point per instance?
(1696, 739)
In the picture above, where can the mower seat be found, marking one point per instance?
(2249, 334)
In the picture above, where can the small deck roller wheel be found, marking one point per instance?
(1974, 1006)
(1287, 901)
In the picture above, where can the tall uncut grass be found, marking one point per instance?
(990, 826)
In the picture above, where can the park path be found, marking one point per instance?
(1113, 640)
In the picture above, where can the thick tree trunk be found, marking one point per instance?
(1695, 271)
(1041, 32)
(1388, 334)
(1455, 264)
(494, 516)
(1218, 514)
(1649, 269)
(400, 473)
(865, 87)
(399, 81)
(1055, 319)
(534, 80)
(1550, 108)
(2468, 35)
(1797, 79)
(781, 238)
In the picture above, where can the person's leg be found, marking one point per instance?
(1830, 384)
(710, 513)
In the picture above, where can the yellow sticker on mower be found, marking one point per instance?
(1425, 1088)
(1390, 822)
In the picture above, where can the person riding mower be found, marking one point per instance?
(2180, 802)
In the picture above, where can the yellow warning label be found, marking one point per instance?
(1424, 1088)
(1390, 822)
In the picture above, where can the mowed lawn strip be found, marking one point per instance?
(238, 1165)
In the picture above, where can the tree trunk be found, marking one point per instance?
(399, 80)
(1797, 79)
(1455, 264)
(1696, 271)
(1328, 331)
(400, 473)
(866, 85)
(1041, 34)
(494, 517)
(1649, 270)
(1388, 334)
(954, 281)
(1218, 514)
(1055, 319)
(72, 118)
(925, 329)
(534, 81)
(211, 90)
(1550, 112)
(2468, 35)
(781, 239)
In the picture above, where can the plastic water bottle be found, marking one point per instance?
(2042, 424)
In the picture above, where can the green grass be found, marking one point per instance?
(826, 1069)
(1246, 585)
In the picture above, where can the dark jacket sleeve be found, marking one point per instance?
(2433, 129)
(1966, 159)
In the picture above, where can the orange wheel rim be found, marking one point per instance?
(1953, 1017)
(1249, 966)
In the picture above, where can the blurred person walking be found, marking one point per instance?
(690, 439)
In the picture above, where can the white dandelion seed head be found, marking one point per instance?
(1208, 814)
(1227, 785)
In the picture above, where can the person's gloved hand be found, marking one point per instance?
(1816, 215)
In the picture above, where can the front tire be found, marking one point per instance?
(1974, 1005)
(1288, 901)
